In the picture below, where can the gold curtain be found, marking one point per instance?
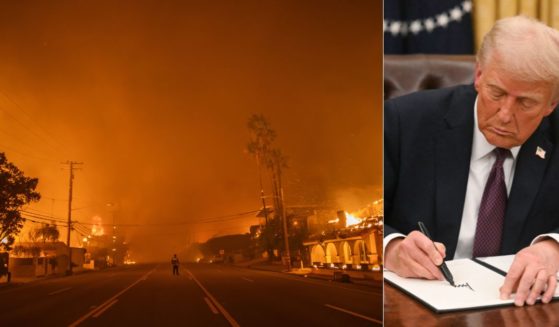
(486, 12)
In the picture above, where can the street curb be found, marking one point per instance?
(12, 284)
(358, 281)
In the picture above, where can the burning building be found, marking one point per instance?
(354, 243)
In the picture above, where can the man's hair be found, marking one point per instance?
(523, 47)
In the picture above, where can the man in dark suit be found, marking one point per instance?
(479, 165)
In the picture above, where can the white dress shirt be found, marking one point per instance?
(481, 162)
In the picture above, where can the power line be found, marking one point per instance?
(41, 215)
(31, 131)
(84, 234)
(42, 222)
(52, 198)
(44, 216)
(81, 228)
(210, 220)
(21, 143)
(54, 145)
(27, 155)
(231, 215)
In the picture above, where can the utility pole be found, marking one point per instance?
(71, 168)
(285, 232)
(267, 230)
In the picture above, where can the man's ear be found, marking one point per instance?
(551, 108)
(477, 76)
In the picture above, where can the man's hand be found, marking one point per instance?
(532, 273)
(415, 256)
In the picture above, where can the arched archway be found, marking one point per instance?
(345, 253)
(360, 252)
(317, 254)
(331, 253)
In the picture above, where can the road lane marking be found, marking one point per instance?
(60, 291)
(224, 312)
(210, 304)
(108, 302)
(353, 313)
(100, 312)
(248, 279)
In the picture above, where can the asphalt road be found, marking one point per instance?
(202, 295)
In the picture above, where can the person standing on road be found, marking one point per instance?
(175, 263)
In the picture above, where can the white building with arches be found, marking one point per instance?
(357, 247)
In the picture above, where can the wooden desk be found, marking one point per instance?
(402, 310)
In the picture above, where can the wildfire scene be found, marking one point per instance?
(191, 163)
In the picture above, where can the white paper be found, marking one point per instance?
(444, 297)
(502, 262)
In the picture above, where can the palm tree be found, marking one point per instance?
(261, 145)
(45, 233)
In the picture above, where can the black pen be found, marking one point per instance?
(444, 269)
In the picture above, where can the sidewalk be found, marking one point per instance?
(18, 281)
(368, 278)
(15, 282)
(372, 279)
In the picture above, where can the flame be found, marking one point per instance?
(97, 229)
(351, 220)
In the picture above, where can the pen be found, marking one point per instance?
(444, 269)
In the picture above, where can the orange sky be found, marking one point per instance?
(154, 97)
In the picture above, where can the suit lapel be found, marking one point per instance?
(528, 175)
(453, 151)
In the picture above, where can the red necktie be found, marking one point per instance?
(491, 216)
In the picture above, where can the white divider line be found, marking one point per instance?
(224, 312)
(60, 291)
(353, 313)
(100, 312)
(210, 304)
(108, 303)
(248, 279)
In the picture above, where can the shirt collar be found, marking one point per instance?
(480, 146)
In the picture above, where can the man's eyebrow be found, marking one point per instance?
(522, 98)
(533, 96)
(495, 86)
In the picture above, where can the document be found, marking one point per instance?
(477, 287)
(502, 262)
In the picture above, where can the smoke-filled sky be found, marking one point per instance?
(154, 98)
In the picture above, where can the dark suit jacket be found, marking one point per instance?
(427, 147)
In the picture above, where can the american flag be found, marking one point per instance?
(428, 26)
(540, 152)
